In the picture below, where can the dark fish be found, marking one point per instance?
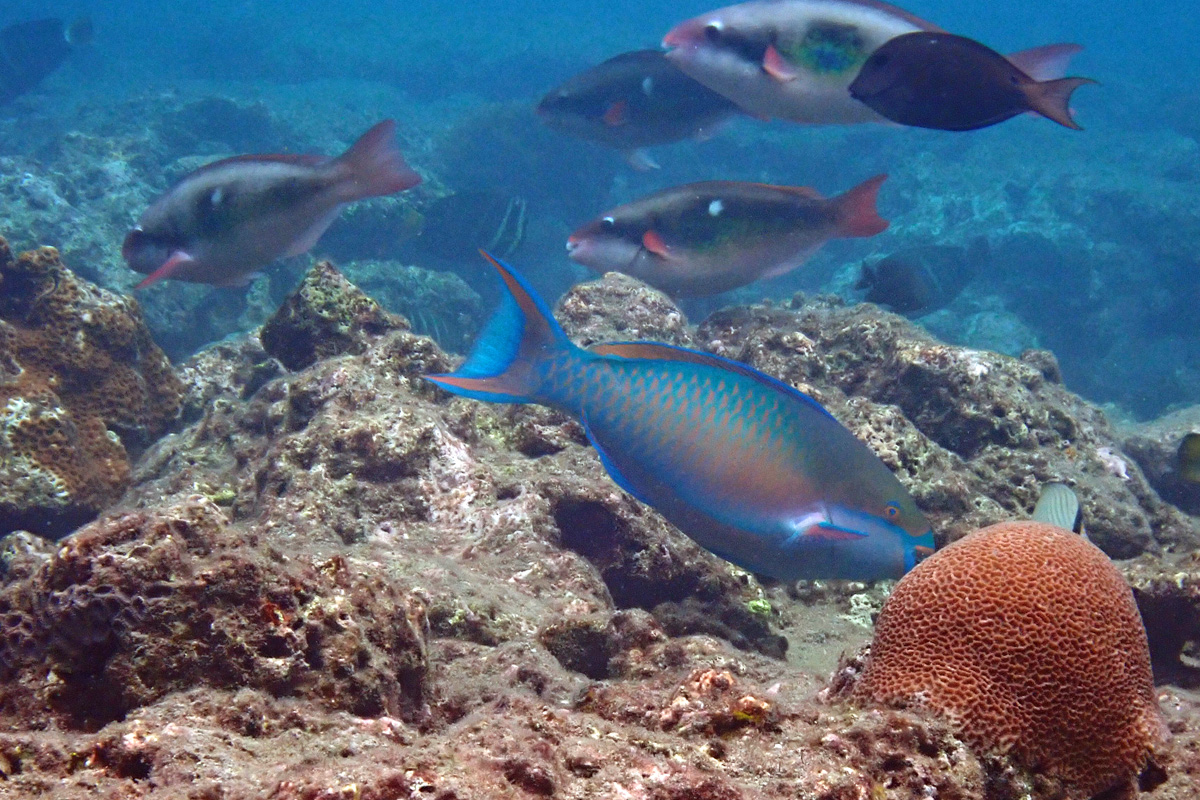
(1189, 458)
(930, 79)
(458, 225)
(745, 465)
(30, 51)
(632, 101)
(710, 237)
(918, 280)
(1059, 505)
(229, 219)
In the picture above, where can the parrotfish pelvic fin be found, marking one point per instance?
(167, 270)
(521, 334)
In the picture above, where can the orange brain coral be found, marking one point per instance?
(1026, 637)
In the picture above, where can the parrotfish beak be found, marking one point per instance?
(685, 33)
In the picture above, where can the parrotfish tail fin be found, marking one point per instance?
(1059, 506)
(373, 165)
(1051, 98)
(856, 211)
(1046, 63)
(503, 366)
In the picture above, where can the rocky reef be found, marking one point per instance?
(334, 581)
(83, 387)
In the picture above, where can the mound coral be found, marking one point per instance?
(1028, 639)
(81, 383)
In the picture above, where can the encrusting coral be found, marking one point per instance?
(1028, 639)
(81, 385)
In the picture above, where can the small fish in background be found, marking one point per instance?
(632, 101)
(745, 465)
(789, 59)
(1189, 458)
(947, 82)
(1059, 505)
(31, 51)
(705, 238)
(458, 225)
(918, 280)
(227, 220)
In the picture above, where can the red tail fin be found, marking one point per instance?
(857, 214)
(374, 165)
(1050, 99)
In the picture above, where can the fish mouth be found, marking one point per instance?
(572, 244)
(689, 33)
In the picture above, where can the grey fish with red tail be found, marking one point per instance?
(227, 220)
(706, 238)
(931, 79)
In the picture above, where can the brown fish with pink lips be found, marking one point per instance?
(225, 221)
(710, 237)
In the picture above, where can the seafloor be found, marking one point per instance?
(330, 580)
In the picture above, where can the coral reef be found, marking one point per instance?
(382, 592)
(82, 387)
(1028, 639)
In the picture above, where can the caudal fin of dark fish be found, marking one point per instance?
(1189, 458)
(1051, 99)
(1059, 506)
(374, 165)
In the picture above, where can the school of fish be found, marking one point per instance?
(747, 466)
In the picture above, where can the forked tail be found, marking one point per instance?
(521, 335)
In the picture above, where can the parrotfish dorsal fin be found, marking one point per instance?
(800, 191)
(667, 352)
(301, 159)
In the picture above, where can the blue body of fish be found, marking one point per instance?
(748, 467)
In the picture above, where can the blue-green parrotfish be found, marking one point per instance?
(748, 467)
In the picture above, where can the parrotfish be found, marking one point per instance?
(632, 101)
(918, 280)
(745, 465)
(791, 59)
(796, 59)
(710, 237)
(227, 220)
(947, 82)
(31, 51)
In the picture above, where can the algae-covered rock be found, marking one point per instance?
(82, 386)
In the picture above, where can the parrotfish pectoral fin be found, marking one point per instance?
(777, 67)
(1051, 99)
(522, 332)
(617, 114)
(170, 267)
(653, 242)
(1046, 63)
(667, 352)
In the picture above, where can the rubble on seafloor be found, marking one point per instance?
(337, 582)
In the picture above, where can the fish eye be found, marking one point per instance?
(891, 510)
(712, 31)
(608, 223)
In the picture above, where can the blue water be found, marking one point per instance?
(1112, 286)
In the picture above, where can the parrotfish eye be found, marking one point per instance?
(608, 223)
(712, 31)
(216, 197)
(891, 510)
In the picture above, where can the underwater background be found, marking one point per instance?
(1091, 234)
